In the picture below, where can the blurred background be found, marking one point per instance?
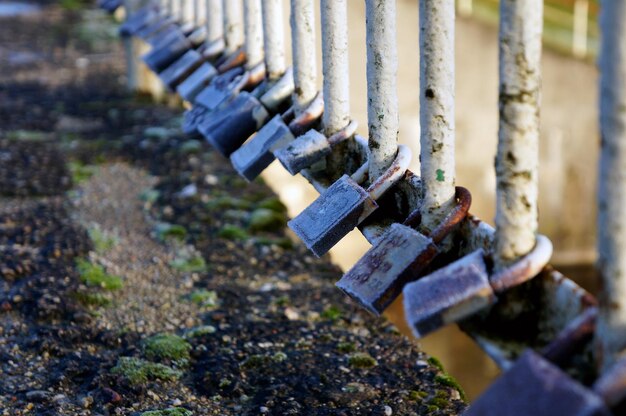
(568, 146)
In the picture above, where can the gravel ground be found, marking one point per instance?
(139, 273)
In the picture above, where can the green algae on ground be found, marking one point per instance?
(448, 380)
(227, 202)
(274, 204)
(435, 363)
(92, 299)
(172, 411)
(332, 312)
(232, 232)
(362, 360)
(80, 172)
(204, 298)
(346, 347)
(166, 346)
(264, 219)
(200, 331)
(285, 242)
(166, 231)
(94, 275)
(194, 264)
(139, 371)
(101, 240)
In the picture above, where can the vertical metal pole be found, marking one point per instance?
(436, 19)
(465, 7)
(382, 93)
(214, 21)
(253, 18)
(233, 25)
(302, 19)
(274, 39)
(199, 15)
(517, 158)
(336, 70)
(611, 327)
(581, 23)
(132, 66)
(186, 12)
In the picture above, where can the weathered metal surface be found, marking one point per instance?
(166, 53)
(228, 128)
(378, 277)
(311, 147)
(448, 295)
(534, 386)
(196, 82)
(576, 334)
(174, 74)
(525, 268)
(331, 216)
(256, 154)
(154, 32)
(138, 20)
(279, 92)
(612, 385)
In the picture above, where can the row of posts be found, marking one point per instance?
(520, 33)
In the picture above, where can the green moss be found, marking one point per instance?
(204, 298)
(190, 146)
(228, 202)
(362, 360)
(416, 395)
(172, 411)
(27, 136)
(166, 346)
(80, 172)
(273, 204)
(200, 331)
(101, 240)
(232, 232)
(255, 361)
(346, 347)
(279, 357)
(431, 408)
(285, 242)
(165, 231)
(448, 380)
(435, 363)
(92, 299)
(439, 402)
(73, 4)
(94, 275)
(332, 312)
(139, 371)
(263, 219)
(282, 301)
(194, 264)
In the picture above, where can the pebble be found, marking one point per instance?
(37, 396)
(264, 409)
(388, 411)
(177, 402)
(189, 191)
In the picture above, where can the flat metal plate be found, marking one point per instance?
(534, 386)
(331, 216)
(304, 151)
(379, 276)
(165, 54)
(256, 154)
(448, 295)
(228, 128)
(181, 68)
(196, 82)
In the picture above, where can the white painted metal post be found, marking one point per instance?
(611, 327)
(465, 7)
(199, 13)
(233, 25)
(186, 12)
(274, 39)
(382, 93)
(335, 60)
(437, 109)
(214, 21)
(253, 18)
(581, 23)
(517, 160)
(302, 19)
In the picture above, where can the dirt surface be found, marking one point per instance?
(139, 273)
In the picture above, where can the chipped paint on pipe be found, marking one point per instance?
(302, 19)
(611, 334)
(517, 157)
(214, 21)
(436, 21)
(253, 18)
(233, 25)
(382, 92)
(336, 69)
(274, 40)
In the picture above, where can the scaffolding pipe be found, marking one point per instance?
(186, 11)
(517, 157)
(611, 328)
(253, 19)
(214, 21)
(437, 133)
(274, 39)
(382, 94)
(233, 25)
(335, 65)
(302, 20)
